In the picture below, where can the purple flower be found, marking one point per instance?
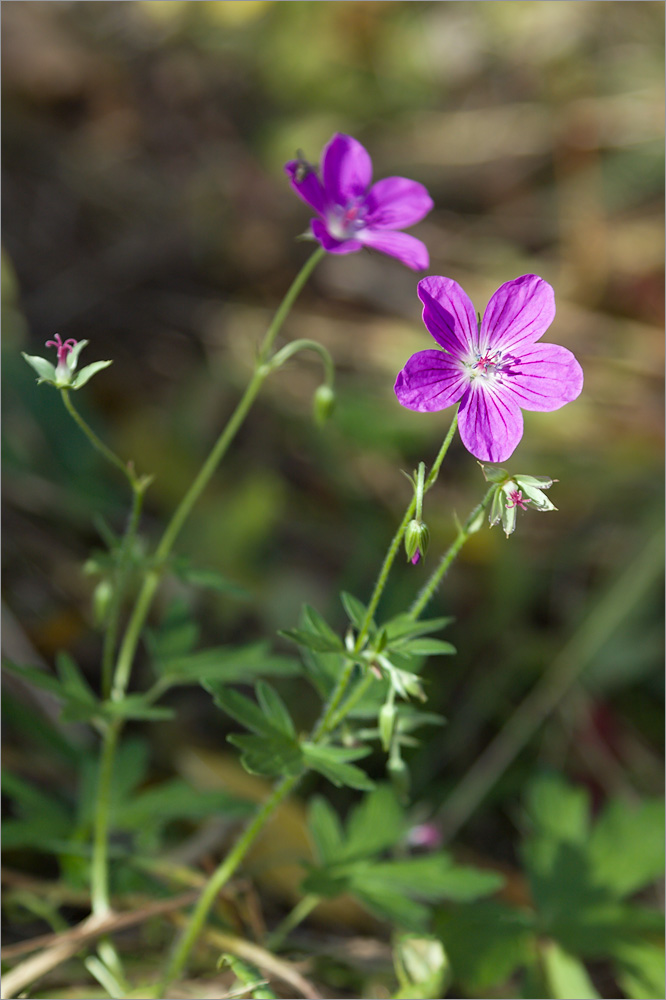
(494, 368)
(353, 215)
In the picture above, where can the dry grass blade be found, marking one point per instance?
(57, 948)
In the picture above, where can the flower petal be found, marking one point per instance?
(544, 377)
(449, 315)
(329, 243)
(346, 169)
(306, 183)
(430, 381)
(518, 313)
(406, 248)
(490, 423)
(395, 203)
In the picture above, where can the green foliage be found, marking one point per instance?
(486, 941)
(176, 663)
(395, 889)
(274, 748)
(580, 872)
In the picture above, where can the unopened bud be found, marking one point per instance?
(102, 597)
(323, 404)
(417, 538)
(387, 718)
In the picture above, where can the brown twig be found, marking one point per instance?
(54, 949)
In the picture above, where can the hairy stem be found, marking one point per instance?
(468, 528)
(397, 538)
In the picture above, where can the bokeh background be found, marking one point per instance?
(146, 209)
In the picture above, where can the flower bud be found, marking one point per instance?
(417, 538)
(101, 601)
(323, 404)
(387, 719)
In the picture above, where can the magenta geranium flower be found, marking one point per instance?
(352, 214)
(495, 368)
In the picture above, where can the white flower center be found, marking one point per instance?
(344, 221)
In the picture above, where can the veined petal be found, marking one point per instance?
(395, 203)
(449, 315)
(406, 248)
(490, 423)
(518, 313)
(329, 243)
(544, 377)
(306, 184)
(346, 169)
(430, 381)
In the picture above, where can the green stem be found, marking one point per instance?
(300, 912)
(324, 724)
(121, 578)
(294, 347)
(217, 881)
(332, 714)
(99, 871)
(467, 529)
(95, 441)
(352, 701)
(262, 370)
(397, 538)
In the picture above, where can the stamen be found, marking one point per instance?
(517, 499)
(63, 349)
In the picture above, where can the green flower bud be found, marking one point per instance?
(417, 538)
(387, 719)
(102, 597)
(323, 404)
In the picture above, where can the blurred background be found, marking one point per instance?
(146, 210)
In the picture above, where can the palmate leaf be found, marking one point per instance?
(313, 640)
(375, 825)
(332, 762)
(314, 633)
(209, 579)
(486, 942)
(175, 800)
(626, 848)
(269, 755)
(427, 647)
(79, 703)
(356, 611)
(325, 829)
(387, 904)
(640, 969)
(432, 877)
(275, 709)
(404, 627)
(241, 709)
(392, 889)
(566, 976)
(41, 818)
(228, 664)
